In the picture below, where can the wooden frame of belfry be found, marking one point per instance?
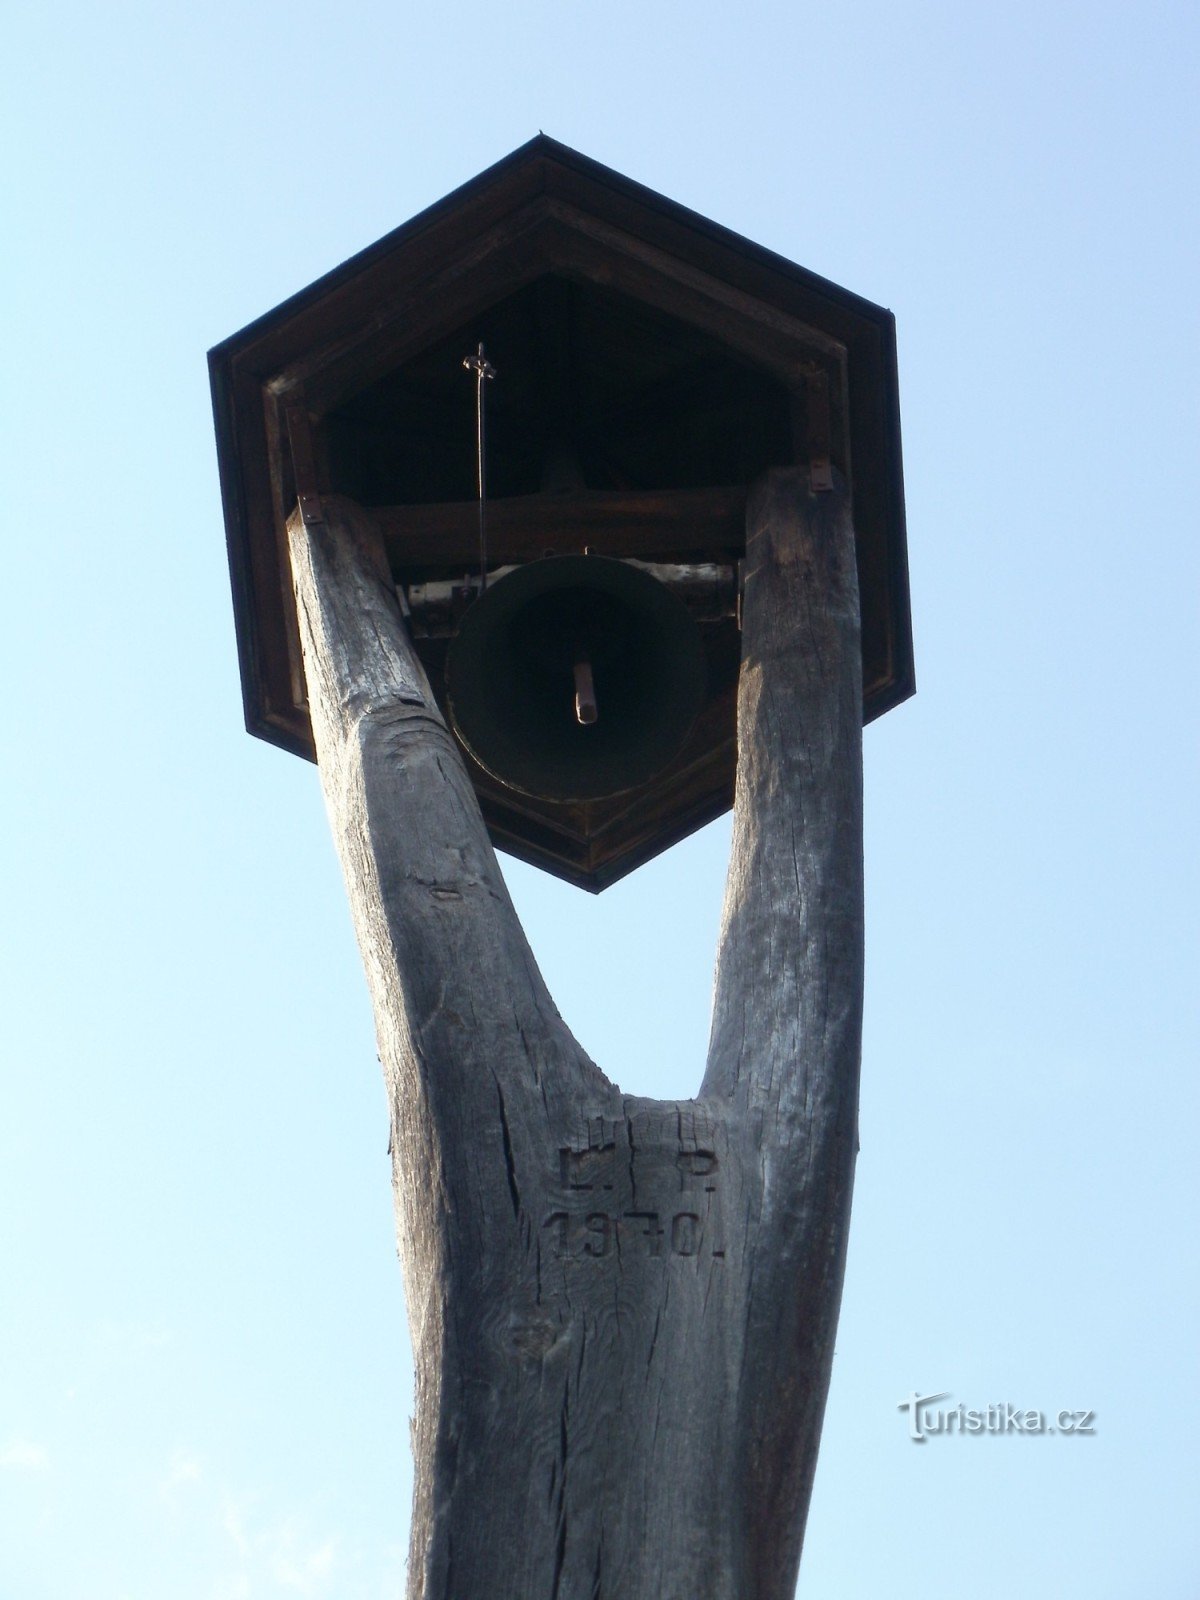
(622, 1309)
(676, 360)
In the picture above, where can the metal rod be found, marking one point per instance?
(483, 369)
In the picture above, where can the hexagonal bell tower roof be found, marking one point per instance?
(650, 365)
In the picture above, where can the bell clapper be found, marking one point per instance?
(586, 710)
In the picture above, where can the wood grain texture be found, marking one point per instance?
(659, 523)
(622, 1310)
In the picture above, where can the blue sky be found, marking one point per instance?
(204, 1370)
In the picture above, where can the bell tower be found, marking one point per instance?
(651, 562)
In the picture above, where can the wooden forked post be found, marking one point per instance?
(622, 1309)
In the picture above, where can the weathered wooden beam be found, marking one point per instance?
(787, 1013)
(622, 1309)
(617, 523)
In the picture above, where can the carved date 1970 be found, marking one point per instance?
(648, 1233)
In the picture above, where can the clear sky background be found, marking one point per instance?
(204, 1371)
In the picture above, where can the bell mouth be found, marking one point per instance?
(575, 678)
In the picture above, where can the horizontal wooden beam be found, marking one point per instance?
(634, 523)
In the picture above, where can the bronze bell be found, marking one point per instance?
(575, 678)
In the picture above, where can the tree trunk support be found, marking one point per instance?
(622, 1309)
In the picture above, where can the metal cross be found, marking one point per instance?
(483, 369)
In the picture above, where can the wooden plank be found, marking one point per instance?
(614, 523)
